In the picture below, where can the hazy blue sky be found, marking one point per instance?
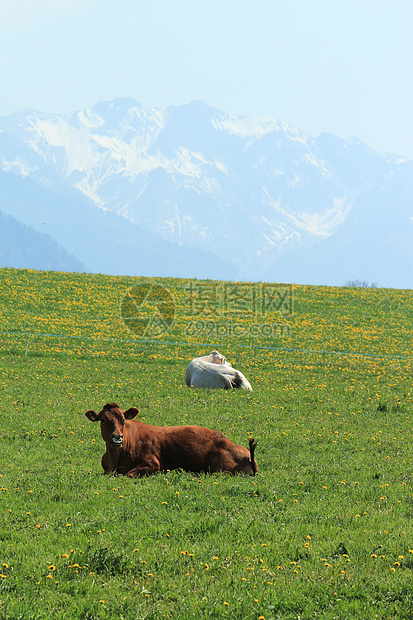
(340, 66)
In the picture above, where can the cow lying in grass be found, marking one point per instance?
(136, 449)
(213, 371)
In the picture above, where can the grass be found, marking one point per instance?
(323, 531)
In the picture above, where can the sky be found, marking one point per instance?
(339, 66)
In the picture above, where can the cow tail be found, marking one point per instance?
(253, 445)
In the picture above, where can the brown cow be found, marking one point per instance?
(138, 449)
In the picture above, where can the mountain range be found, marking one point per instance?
(189, 191)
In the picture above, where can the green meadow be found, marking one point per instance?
(323, 531)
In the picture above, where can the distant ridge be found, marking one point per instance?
(23, 247)
(194, 192)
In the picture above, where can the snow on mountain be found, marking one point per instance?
(253, 192)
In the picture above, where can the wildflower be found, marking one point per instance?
(206, 566)
(52, 567)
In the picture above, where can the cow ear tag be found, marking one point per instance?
(92, 415)
(131, 413)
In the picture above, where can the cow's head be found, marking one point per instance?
(112, 421)
(217, 358)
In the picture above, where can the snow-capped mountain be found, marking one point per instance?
(230, 197)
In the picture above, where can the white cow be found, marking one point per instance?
(213, 371)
